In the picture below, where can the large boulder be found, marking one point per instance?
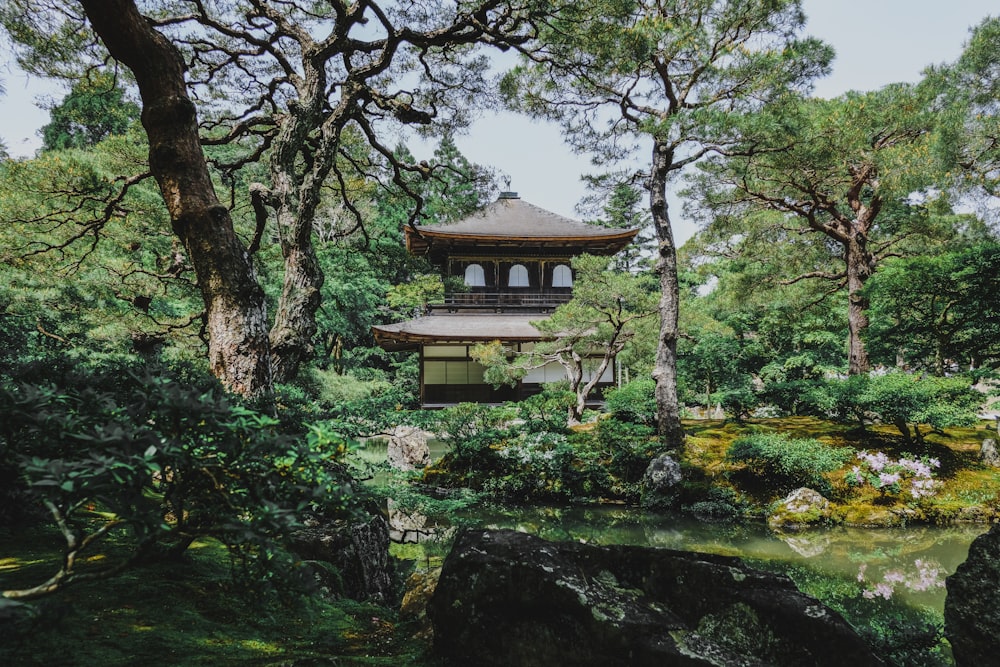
(359, 552)
(508, 598)
(799, 509)
(408, 449)
(971, 612)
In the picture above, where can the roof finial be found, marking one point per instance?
(507, 194)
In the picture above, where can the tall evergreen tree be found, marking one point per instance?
(670, 76)
(94, 109)
(833, 177)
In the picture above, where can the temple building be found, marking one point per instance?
(514, 259)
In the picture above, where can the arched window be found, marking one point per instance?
(518, 276)
(562, 276)
(474, 276)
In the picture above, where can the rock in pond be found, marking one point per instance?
(508, 598)
(661, 482)
(801, 508)
(971, 609)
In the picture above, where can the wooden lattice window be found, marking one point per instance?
(562, 276)
(518, 276)
(475, 276)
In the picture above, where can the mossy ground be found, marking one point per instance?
(186, 613)
(969, 491)
(191, 613)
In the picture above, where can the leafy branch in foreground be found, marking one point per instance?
(159, 465)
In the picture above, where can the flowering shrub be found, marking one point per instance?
(924, 576)
(887, 475)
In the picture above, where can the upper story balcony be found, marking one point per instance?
(524, 301)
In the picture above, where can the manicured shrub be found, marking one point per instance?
(907, 401)
(633, 402)
(626, 446)
(788, 462)
(800, 397)
(737, 403)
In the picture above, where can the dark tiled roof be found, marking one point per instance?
(511, 220)
(510, 216)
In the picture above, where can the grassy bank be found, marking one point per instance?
(185, 613)
(965, 489)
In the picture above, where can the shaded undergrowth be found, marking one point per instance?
(185, 612)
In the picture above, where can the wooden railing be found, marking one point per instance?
(500, 301)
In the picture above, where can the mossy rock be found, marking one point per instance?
(801, 508)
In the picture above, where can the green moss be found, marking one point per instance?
(968, 492)
(186, 613)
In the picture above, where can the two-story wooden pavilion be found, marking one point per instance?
(514, 259)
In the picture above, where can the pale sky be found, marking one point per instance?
(877, 42)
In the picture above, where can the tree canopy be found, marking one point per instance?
(670, 77)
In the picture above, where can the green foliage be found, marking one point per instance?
(163, 464)
(908, 401)
(788, 462)
(94, 109)
(938, 309)
(546, 411)
(738, 403)
(188, 613)
(536, 459)
(633, 402)
(85, 278)
(800, 397)
(625, 449)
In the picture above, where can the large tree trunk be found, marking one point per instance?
(860, 267)
(295, 320)
(296, 197)
(239, 353)
(665, 367)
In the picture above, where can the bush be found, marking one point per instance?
(800, 397)
(907, 401)
(629, 447)
(738, 403)
(523, 452)
(160, 464)
(546, 411)
(633, 402)
(787, 462)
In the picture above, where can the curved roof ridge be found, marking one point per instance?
(515, 217)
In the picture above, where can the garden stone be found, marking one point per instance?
(508, 598)
(407, 527)
(661, 482)
(988, 453)
(419, 591)
(408, 448)
(358, 551)
(971, 613)
(800, 509)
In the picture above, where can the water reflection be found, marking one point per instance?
(908, 564)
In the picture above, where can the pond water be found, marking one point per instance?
(907, 565)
